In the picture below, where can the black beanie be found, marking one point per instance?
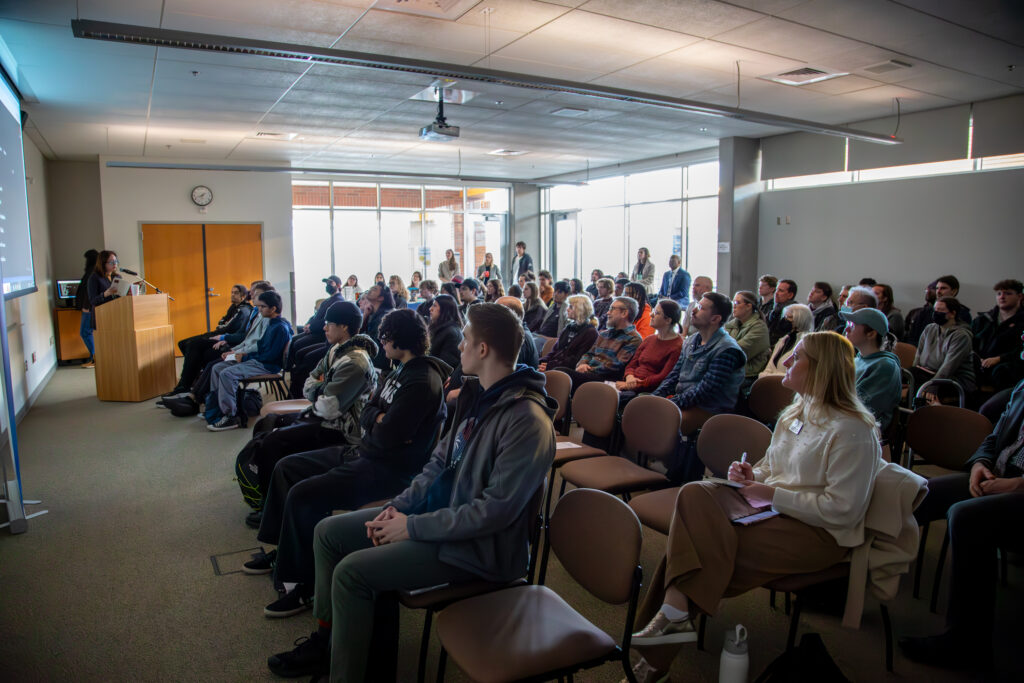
(345, 313)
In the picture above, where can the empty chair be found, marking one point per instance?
(558, 385)
(905, 352)
(291, 405)
(768, 398)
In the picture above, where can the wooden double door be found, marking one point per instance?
(198, 264)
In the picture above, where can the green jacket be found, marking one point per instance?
(752, 336)
(341, 384)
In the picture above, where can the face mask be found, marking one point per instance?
(846, 309)
(329, 288)
(940, 318)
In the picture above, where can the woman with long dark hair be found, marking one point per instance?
(448, 268)
(101, 288)
(495, 290)
(533, 306)
(642, 322)
(656, 355)
(445, 329)
(643, 271)
(84, 305)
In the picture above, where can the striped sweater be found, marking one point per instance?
(612, 351)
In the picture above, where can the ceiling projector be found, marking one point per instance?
(439, 130)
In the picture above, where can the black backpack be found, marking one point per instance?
(251, 402)
(809, 662)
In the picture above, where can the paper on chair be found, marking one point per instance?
(566, 444)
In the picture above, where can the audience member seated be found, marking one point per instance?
(867, 282)
(675, 283)
(948, 285)
(778, 326)
(400, 426)
(997, 338)
(897, 325)
(199, 350)
(414, 285)
(577, 337)
(702, 284)
(451, 289)
(859, 297)
(544, 280)
(644, 270)
(556, 316)
(595, 275)
(399, 292)
(575, 286)
(528, 276)
(351, 290)
(826, 317)
(514, 291)
(620, 285)
(442, 529)
(801, 322)
(636, 291)
(920, 318)
(818, 473)
(985, 511)
(709, 371)
(535, 307)
(606, 361)
(338, 388)
(224, 377)
(750, 331)
(311, 335)
(656, 356)
(469, 295)
(428, 290)
(603, 299)
(879, 382)
(494, 290)
(844, 292)
(375, 304)
(446, 329)
(945, 348)
(766, 291)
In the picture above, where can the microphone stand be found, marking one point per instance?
(147, 282)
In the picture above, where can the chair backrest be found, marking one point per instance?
(594, 406)
(651, 426)
(558, 385)
(946, 435)
(548, 345)
(597, 539)
(905, 352)
(768, 398)
(725, 438)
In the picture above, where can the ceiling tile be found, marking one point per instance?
(704, 18)
(786, 39)
(521, 16)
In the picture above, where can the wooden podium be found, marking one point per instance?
(134, 348)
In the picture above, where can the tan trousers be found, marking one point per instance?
(709, 558)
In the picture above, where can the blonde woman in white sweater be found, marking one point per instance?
(817, 475)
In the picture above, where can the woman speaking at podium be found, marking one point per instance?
(101, 286)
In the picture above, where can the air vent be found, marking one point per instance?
(803, 76)
(887, 66)
(439, 9)
(508, 152)
(570, 112)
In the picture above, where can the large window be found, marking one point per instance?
(603, 223)
(349, 228)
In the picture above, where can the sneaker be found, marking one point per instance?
(293, 602)
(261, 563)
(254, 519)
(225, 423)
(311, 656)
(643, 672)
(663, 631)
(89, 363)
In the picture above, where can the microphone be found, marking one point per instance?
(130, 272)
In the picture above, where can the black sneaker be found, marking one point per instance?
(293, 602)
(225, 423)
(261, 563)
(311, 656)
(254, 519)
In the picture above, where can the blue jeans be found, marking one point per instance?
(85, 332)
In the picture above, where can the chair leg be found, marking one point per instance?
(887, 623)
(794, 622)
(421, 674)
(789, 603)
(702, 627)
(920, 560)
(938, 573)
(771, 598)
(547, 500)
(442, 660)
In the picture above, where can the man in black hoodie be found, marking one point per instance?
(466, 516)
(400, 426)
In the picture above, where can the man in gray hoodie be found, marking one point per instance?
(465, 517)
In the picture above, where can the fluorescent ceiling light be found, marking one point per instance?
(570, 112)
(508, 152)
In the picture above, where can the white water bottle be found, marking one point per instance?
(735, 663)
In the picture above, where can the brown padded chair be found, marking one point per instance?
(549, 344)
(291, 405)
(768, 398)
(906, 353)
(650, 425)
(558, 385)
(529, 632)
(595, 407)
(945, 436)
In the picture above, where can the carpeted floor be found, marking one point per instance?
(116, 581)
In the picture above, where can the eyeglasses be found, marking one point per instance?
(617, 308)
(114, 261)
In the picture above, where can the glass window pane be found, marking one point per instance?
(356, 248)
(356, 194)
(483, 235)
(655, 186)
(487, 199)
(702, 179)
(442, 231)
(702, 238)
(602, 241)
(444, 198)
(564, 197)
(401, 233)
(400, 197)
(565, 246)
(310, 193)
(657, 227)
(603, 192)
(311, 249)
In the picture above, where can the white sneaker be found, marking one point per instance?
(663, 631)
(645, 673)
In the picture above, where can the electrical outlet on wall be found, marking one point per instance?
(51, 340)
(26, 366)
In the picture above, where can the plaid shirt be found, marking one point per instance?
(613, 350)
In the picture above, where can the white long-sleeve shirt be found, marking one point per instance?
(824, 475)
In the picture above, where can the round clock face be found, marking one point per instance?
(202, 195)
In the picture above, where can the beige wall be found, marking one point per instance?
(76, 216)
(131, 196)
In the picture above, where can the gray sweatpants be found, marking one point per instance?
(350, 575)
